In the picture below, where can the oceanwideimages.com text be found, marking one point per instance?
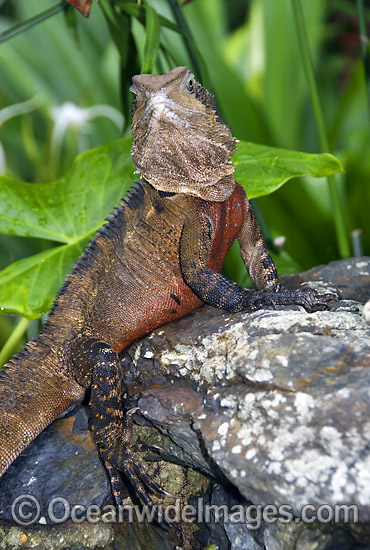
(26, 510)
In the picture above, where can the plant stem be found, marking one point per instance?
(32, 21)
(188, 39)
(364, 48)
(13, 339)
(337, 202)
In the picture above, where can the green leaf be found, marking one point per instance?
(286, 106)
(137, 11)
(28, 287)
(71, 22)
(32, 21)
(119, 26)
(261, 170)
(152, 38)
(69, 210)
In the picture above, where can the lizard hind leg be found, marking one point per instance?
(98, 366)
(137, 474)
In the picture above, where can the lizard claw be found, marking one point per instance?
(132, 411)
(120, 457)
(311, 300)
(140, 478)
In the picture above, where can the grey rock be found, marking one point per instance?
(240, 534)
(366, 312)
(62, 463)
(66, 537)
(87, 536)
(268, 534)
(274, 402)
(351, 277)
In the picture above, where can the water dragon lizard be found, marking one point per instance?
(158, 257)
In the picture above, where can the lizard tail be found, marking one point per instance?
(33, 392)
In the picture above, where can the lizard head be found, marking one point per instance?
(180, 143)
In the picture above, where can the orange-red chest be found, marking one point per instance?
(150, 291)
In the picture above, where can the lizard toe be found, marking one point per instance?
(313, 300)
(120, 457)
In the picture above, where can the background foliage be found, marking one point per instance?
(64, 88)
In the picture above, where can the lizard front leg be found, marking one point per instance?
(195, 253)
(262, 271)
(218, 291)
(96, 365)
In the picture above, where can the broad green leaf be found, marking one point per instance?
(261, 170)
(28, 287)
(152, 38)
(70, 208)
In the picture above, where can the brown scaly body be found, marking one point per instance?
(158, 258)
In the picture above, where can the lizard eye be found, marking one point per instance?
(190, 85)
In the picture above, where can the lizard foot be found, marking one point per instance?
(120, 457)
(307, 297)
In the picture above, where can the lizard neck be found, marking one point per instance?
(218, 192)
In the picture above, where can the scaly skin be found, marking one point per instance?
(158, 258)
